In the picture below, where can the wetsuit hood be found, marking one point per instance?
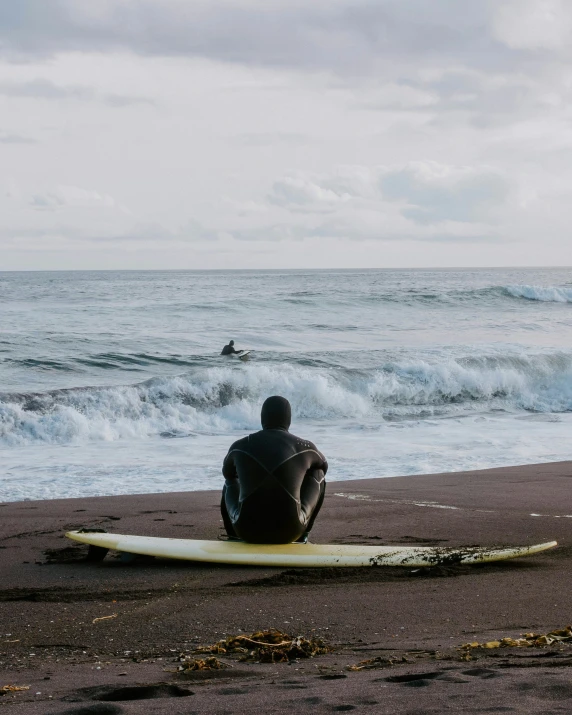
(276, 413)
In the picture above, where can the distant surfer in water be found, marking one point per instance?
(229, 349)
(274, 481)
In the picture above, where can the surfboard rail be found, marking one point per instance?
(303, 555)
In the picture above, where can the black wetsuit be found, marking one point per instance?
(229, 349)
(274, 481)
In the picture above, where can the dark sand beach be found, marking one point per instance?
(104, 638)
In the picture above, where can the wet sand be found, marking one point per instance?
(104, 638)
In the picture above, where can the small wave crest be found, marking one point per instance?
(417, 296)
(547, 294)
(105, 361)
(222, 400)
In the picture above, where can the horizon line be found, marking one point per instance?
(262, 270)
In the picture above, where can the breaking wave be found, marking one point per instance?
(549, 294)
(222, 399)
(545, 294)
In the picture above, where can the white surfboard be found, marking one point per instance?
(300, 555)
(240, 354)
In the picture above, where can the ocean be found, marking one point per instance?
(111, 382)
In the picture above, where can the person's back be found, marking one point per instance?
(229, 349)
(274, 481)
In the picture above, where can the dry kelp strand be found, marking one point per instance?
(379, 662)
(210, 663)
(528, 640)
(5, 689)
(271, 646)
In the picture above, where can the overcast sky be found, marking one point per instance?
(285, 133)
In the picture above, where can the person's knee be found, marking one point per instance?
(312, 490)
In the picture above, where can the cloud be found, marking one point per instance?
(297, 192)
(273, 138)
(342, 36)
(72, 216)
(369, 226)
(246, 208)
(124, 100)
(486, 98)
(397, 97)
(7, 138)
(323, 192)
(533, 24)
(271, 233)
(70, 196)
(423, 192)
(456, 116)
(45, 89)
(377, 226)
(419, 201)
(152, 231)
(435, 192)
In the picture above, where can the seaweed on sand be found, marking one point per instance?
(210, 663)
(528, 640)
(271, 646)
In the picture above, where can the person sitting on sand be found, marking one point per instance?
(229, 349)
(274, 481)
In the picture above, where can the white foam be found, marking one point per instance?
(366, 497)
(222, 400)
(128, 466)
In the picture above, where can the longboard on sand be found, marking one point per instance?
(299, 555)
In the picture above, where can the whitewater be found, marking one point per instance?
(112, 382)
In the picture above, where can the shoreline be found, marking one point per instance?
(331, 483)
(68, 625)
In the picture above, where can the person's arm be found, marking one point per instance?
(229, 467)
(320, 462)
(313, 489)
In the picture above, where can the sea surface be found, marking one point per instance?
(112, 382)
